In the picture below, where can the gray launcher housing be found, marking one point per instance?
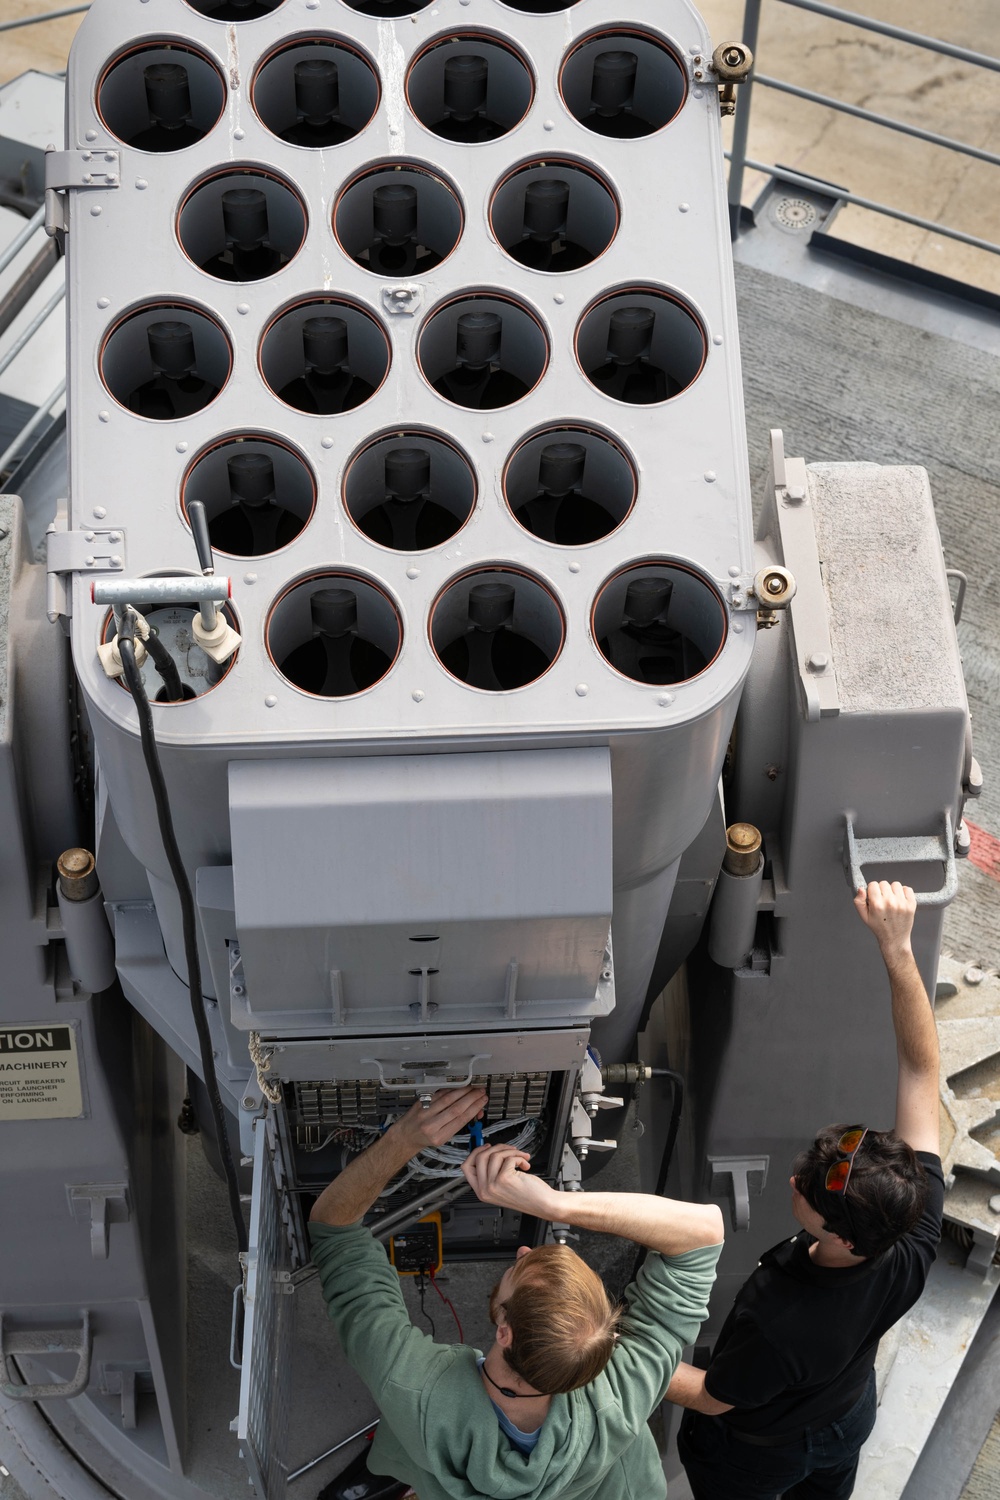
(320, 841)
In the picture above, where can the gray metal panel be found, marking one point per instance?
(438, 1059)
(268, 1328)
(371, 869)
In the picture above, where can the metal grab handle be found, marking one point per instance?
(42, 1341)
(747, 1178)
(428, 1078)
(175, 588)
(963, 583)
(923, 849)
(238, 1302)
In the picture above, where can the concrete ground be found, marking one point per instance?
(44, 47)
(983, 1480)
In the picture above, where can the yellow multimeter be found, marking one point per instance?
(418, 1250)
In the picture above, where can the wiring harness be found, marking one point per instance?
(446, 1161)
(434, 1161)
(133, 681)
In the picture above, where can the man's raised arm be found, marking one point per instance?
(501, 1175)
(888, 911)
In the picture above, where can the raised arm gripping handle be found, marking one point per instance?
(924, 849)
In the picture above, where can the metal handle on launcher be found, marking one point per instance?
(430, 1078)
(239, 1306)
(153, 591)
(203, 547)
(933, 848)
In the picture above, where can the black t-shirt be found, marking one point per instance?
(801, 1339)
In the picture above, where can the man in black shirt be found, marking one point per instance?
(789, 1395)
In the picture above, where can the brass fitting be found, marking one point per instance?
(732, 62)
(743, 849)
(774, 587)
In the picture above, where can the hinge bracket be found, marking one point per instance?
(68, 552)
(95, 168)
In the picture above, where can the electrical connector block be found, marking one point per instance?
(218, 643)
(109, 654)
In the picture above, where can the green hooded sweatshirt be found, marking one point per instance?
(439, 1431)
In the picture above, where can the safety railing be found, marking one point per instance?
(7, 356)
(9, 253)
(740, 161)
(30, 428)
(49, 15)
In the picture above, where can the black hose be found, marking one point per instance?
(126, 650)
(166, 666)
(677, 1093)
(677, 1090)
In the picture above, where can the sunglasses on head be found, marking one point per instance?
(849, 1144)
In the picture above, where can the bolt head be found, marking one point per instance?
(817, 661)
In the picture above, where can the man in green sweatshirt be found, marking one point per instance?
(557, 1409)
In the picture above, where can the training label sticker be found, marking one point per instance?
(39, 1072)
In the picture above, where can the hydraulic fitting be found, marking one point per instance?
(734, 907)
(90, 948)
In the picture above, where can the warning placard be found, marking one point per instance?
(39, 1072)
